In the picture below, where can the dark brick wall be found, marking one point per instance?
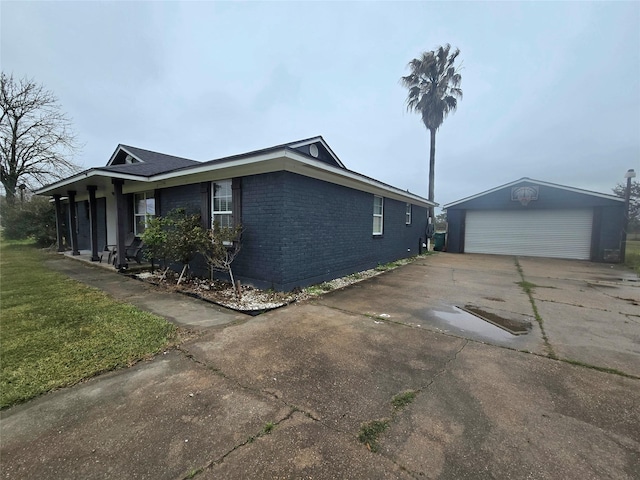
(455, 230)
(263, 201)
(299, 231)
(610, 232)
(184, 196)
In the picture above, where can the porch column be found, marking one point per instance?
(93, 222)
(73, 222)
(121, 217)
(59, 222)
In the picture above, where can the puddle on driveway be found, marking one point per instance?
(464, 322)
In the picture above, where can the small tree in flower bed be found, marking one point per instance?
(177, 237)
(154, 238)
(222, 246)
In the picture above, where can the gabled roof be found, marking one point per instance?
(299, 146)
(535, 182)
(145, 162)
(144, 169)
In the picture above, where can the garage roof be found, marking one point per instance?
(530, 181)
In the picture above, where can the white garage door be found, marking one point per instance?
(536, 233)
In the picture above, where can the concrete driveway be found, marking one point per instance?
(590, 312)
(286, 394)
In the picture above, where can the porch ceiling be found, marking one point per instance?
(79, 183)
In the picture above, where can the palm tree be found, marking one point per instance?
(434, 89)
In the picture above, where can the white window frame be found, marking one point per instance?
(217, 214)
(407, 219)
(377, 215)
(147, 214)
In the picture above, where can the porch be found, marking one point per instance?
(85, 257)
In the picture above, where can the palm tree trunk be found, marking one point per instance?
(432, 171)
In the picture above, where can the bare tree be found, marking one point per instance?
(221, 249)
(36, 141)
(634, 203)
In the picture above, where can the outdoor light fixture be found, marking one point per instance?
(631, 173)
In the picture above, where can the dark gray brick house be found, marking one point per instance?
(306, 217)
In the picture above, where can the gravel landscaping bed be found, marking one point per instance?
(253, 300)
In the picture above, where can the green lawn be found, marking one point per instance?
(55, 332)
(633, 254)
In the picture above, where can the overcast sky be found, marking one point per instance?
(551, 90)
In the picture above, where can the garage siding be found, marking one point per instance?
(538, 233)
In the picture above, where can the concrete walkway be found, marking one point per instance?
(287, 394)
(175, 307)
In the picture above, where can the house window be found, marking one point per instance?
(378, 209)
(408, 215)
(144, 210)
(222, 211)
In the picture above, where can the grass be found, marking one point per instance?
(403, 399)
(614, 371)
(632, 255)
(528, 288)
(388, 266)
(56, 332)
(268, 428)
(370, 432)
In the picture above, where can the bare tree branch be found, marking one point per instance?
(37, 144)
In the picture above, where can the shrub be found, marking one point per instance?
(35, 218)
(221, 247)
(177, 237)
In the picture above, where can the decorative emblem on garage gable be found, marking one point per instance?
(524, 194)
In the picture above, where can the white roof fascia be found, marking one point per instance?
(324, 144)
(537, 182)
(577, 190)
(115, 154)
(287, 153)
(289, 160)
(217, 165)
(89, 174)
(374, 185)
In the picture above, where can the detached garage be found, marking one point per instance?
(539, 219)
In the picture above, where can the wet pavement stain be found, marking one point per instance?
(512, 326)
(465, 322)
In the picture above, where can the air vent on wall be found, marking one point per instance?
(313, 150)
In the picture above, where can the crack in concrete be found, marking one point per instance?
(573, 305)
(397, 411)
(536, 314)
(252, 438)
(217, 371)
